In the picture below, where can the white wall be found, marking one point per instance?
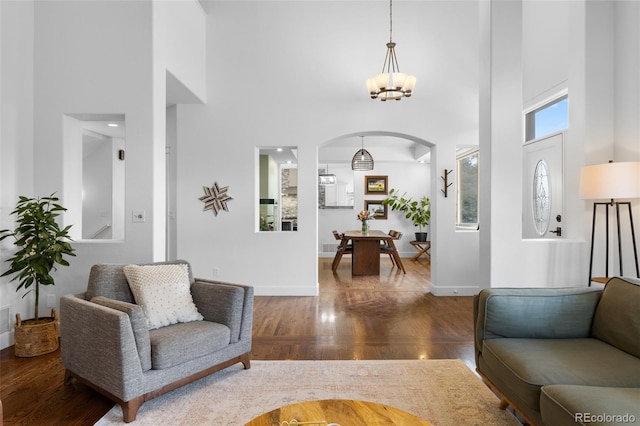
(106, 72)
(516, 84)
(545, 50)
(627, 104)
(88, 57)
(16, 134)
(97, 181)
(455, 253)
(627, 69)
(180, 32)
(538, 49)
(294, 75)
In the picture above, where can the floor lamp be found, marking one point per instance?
(611, 181)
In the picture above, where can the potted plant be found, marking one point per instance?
(419, 212)
(41, 245)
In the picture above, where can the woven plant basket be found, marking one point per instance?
(35, 338)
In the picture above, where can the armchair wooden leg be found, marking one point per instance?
(68, 377)
(245, 359)
(130, 409)
(503, 404)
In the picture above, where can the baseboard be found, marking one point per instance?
(453, 290)
(285, 291)
(6, 340)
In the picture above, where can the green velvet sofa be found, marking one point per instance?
(562, 356)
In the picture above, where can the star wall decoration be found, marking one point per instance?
(215, 198)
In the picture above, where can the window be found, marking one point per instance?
(547, 119)
(468, 188)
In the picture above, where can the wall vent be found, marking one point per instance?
(5, 319)
(329, 248)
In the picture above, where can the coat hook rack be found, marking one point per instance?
(446, 183)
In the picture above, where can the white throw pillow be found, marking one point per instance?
(163, 292)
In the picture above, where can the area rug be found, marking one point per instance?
(443, 392)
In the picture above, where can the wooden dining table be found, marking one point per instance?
(366, 251)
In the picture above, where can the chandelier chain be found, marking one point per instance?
(390, 21)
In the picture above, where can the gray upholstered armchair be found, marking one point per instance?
(107, 343)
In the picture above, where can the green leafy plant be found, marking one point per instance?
(41, 244)
(419, 212)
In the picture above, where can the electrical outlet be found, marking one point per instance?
(138, 216)
(216, 272)
(51, 300)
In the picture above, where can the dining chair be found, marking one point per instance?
(387, 247)
(343, 248)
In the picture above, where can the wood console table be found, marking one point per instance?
(344, 412)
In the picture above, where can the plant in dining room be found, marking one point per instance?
(365, 216)
(418, 211)
(41, 244)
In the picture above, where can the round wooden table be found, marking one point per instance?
(344, 412)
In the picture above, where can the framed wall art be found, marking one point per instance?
(376, 185)
(379, 210)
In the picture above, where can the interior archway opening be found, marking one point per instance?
(402, 163)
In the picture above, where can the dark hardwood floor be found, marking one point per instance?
(392, 316)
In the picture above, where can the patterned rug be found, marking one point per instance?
(443, 392)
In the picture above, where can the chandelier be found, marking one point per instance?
(391, 84)
(362, 160)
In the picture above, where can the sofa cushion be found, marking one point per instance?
(138, 324)
(617, 317)
(589, 405)
(164, 293)
(520, 367)
(183, 342)
(534, 313)
(108, 280)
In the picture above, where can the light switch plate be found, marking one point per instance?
(139, 216)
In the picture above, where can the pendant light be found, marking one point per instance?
(327, 178)
(391, 84)
(362, 160)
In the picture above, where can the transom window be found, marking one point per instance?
(550, 118)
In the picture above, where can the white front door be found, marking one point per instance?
(542, 188)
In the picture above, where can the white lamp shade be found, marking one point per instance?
(610, 181)
(371, 85)
(410, 83)
(382, 80)
(398, 79)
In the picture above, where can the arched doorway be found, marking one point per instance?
(404, 161)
